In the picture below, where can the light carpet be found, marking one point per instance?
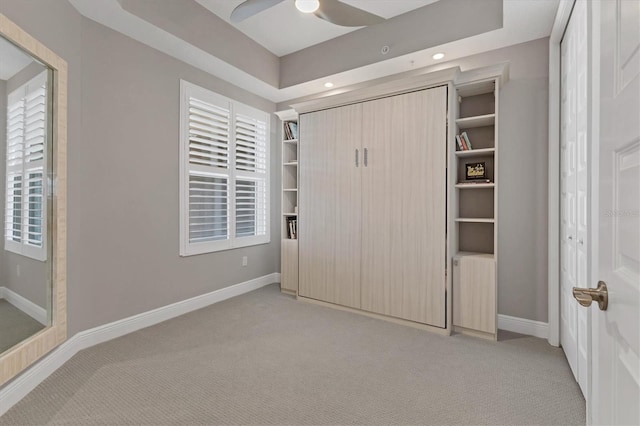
(15, 325)
(265, 358)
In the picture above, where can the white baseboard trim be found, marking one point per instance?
(28, 380)
(523, 326)
(36, 312)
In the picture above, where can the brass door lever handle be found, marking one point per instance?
(585, 296)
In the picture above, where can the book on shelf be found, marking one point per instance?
(290, 130)
(292, 228)
(459, 143)
(465, 139)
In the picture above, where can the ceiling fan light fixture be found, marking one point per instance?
(307, 6)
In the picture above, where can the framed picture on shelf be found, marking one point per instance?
(475, 171)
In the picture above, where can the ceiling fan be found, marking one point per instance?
(333, 11)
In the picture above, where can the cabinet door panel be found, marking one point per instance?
(330, 205)
(474, 293)
(289, 265)
(404, 206)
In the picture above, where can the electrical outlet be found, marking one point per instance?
(244, 261)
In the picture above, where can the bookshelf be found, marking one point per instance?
(474, 174)
(289, 208)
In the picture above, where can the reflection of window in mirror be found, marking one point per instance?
(25, 135)
(25, 198)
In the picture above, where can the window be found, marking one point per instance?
(224, 158)
(25, 201)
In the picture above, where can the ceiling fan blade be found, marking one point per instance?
(345, 15)
(249, 8)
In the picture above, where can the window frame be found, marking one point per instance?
(22, 247)
(188, 248)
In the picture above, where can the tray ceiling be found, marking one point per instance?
(282, 29)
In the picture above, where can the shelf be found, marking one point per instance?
(291, 163)
(290, 141)
(475, 152)
(475, 220)
(475, 254)
(478, 121)
(289, 214)
(475, 185)
(475, 89)
(290, 190)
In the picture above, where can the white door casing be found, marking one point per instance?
(615, 392)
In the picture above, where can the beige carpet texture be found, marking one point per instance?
(264, 358)
(15, 326)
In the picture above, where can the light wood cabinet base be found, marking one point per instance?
(438, 330)
(475, 333)
(475, 293)
(289, 267)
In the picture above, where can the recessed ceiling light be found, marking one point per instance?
(328, 84)
(438, 56)
(307, 6)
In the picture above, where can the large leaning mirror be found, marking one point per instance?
(32, 199)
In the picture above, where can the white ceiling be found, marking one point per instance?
(524, 20)
(282, 29)
(12, 60)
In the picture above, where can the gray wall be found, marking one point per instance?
(123, 190)
(25, 276)
(522, 229)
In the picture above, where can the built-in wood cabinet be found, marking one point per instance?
(372, 206)
(390, 224)
(289, 196)
(475, 238)
(403, 209)
(330, 205)
(474, 293)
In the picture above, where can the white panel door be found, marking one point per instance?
(575, 201)
(582, 173)
(616, 331)
(568, 198)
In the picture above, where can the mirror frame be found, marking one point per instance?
(19, 357)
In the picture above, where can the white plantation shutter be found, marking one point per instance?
(25, 203)
(224, 179)
(15, 151)
(35, 126)
(251, 144)
(208, 134)
(15, 133)
(251, 173)
(208, 208)
(208, 157)
(13, 213)
(33, 208)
